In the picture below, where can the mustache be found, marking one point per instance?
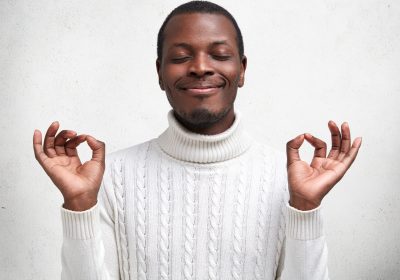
(200, 84)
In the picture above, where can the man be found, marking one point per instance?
(203, 200)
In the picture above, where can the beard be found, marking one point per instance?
(200, 118)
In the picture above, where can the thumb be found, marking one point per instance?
(98, 148)
(292, 149)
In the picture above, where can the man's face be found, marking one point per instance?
(201, 68)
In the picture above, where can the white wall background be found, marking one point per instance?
(91, 65)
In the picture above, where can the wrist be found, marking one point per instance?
(302, 204)
(79, 204)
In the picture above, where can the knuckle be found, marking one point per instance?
(62, 134)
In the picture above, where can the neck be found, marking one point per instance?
(218, 127)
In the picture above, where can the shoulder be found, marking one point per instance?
(275, 161)
(130, 153)
(117, 163)
(270, 154)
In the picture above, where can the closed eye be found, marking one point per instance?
(221, 57)
(180, 59)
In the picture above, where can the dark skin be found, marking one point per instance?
(200, 71)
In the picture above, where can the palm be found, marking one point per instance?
(309, 183)
(59, 158)
(72, 177)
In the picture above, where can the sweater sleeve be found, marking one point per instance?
(89, 250)
(305, 254)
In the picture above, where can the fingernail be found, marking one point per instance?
(358, 141)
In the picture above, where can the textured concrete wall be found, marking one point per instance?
(91, 65)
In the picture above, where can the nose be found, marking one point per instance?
(201, 66)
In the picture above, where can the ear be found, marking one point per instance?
(160, 82)
(243, 65)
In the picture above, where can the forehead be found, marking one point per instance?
(199, 27)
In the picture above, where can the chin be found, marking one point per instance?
(201, 117)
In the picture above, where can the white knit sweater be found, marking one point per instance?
(189, 206)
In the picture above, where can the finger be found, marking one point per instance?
(346, 139)
(352, 154)
(318, 144)
(73, 143)
(48, 146)
(61, 139)
(40, 156)
(336, 140)
(292, 149)
(319, 150)
(98, 148)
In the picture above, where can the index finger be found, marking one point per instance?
(292, 149)
(98, 149)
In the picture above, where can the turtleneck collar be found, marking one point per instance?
(182, 144)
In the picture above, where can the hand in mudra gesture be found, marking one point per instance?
(79, 183)
(309, 183)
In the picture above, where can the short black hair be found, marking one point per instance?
(204, 7)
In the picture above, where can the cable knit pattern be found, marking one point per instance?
(263, 216)
(281, 231)
(217, 187)
(188, 206)
(164, 220)
(117, 175)
(141, 208)
(238, 226)
(190, 220)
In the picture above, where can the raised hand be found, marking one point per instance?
(309, 183)
(79, 183)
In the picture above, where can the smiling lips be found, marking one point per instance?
(201, 89)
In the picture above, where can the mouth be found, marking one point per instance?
(202, 90)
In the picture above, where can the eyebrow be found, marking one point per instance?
(181, 45)
(188, 46)
(222, 42)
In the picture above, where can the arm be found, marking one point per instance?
(89, 248)
(87, 216)
(304, 254)
(305, 250)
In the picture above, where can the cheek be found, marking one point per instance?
(170, 74)
(232, 74)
